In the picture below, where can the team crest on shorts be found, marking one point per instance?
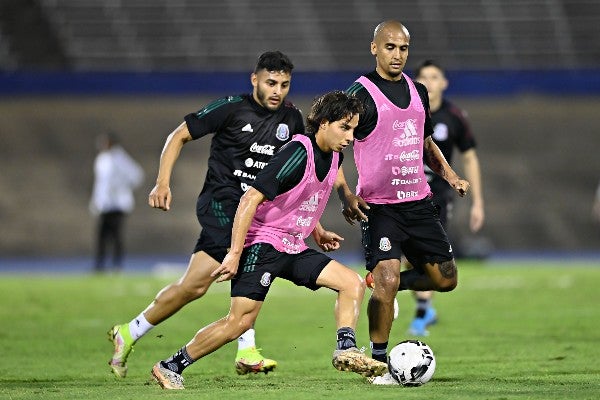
(385, 244)
(265, 279)
(283, 132)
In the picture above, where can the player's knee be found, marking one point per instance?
(199, 291)
(191, 292)
(387, 281)
(235, 326)
(448, 277)
(357, 286)
(352, 285)
(448, 285)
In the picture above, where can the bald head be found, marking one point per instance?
(390, 48)
(389, 27)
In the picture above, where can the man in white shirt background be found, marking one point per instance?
(116, 176)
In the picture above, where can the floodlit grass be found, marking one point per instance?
(509, 331)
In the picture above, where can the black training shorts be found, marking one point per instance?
(412, 229)
(260, 264)
(216, 219)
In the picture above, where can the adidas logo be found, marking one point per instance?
(247, 128)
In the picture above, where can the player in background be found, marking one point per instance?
(116, 176)
(274, 217)
(450, 130)
(248, 129)
(392, 145)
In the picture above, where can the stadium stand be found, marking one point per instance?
(155, 35)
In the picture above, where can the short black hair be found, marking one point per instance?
(332, 106)
(428, 63)
(274, 61)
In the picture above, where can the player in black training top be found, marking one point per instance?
(450, 130)
(248, 130)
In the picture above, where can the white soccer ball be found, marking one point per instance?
(411, 363)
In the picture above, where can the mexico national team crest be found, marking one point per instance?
(283, 132)
(385, 244)
(265, 279)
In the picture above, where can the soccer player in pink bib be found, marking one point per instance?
(392, 145)
(275, 216)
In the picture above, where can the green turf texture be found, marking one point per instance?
(509, 331)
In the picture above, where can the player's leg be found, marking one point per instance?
(241, 317)
(429, 251)
(192, 285)
(380, 309)
(117, 223)
(215, 240)
(440, 276)
(382, 236)
(250, 282)
(101, 242)
(350, 289)
(425, 313)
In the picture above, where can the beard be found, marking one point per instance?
(263, 99)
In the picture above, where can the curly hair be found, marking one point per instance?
(332, 106)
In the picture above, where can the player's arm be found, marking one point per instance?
(160, 196)
(241, 223)
(352, 204)
(473, 175)
(434, 158)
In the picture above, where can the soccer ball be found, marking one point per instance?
(411, 363)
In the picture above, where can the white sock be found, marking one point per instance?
(246, 340)
(139, 326)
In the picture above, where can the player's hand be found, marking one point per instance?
(228, 268)
(160, 197)
(476, 219)
(352, 209)
(461, 187)
(328, 241)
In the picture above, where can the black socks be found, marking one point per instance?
(379, 351)
(345, 338)
(178, 361)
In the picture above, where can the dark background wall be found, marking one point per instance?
(539, 164)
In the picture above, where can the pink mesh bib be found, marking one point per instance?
(390, 159)
(291, 217)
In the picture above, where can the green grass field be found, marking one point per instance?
(518, 331)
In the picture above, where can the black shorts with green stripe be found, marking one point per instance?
(216, 219)
(261, 263)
